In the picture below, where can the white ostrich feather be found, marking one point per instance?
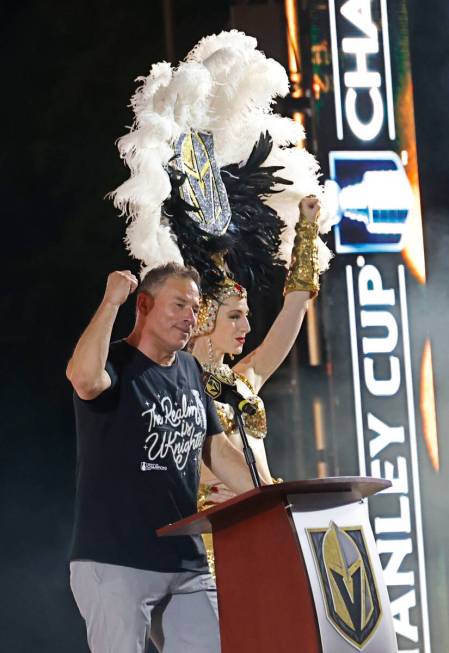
(225, 86)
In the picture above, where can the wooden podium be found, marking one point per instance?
(297, 568)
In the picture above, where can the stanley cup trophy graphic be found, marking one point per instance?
(371, 198)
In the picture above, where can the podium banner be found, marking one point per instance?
(345, 574)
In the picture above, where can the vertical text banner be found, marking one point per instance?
(364, 124)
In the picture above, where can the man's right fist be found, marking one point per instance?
(119, 286)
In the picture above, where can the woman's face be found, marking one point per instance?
(231, 326)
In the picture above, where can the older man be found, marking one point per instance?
(143, 424)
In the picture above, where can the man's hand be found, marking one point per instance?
(119, 286)
(310, 208)
(86, 369)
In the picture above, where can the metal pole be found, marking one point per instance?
(167, 8)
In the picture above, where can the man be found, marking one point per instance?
(143, 423)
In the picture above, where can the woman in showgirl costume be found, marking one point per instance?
(222, 328)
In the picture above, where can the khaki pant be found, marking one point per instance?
(124, 607)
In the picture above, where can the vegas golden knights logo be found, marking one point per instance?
(347, 580)
(203, 187)
(213, 387)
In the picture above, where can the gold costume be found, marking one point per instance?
(255, 425)
(304, 269)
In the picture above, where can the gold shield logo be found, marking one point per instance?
(203, 187)
(348, 582)
(213, 387)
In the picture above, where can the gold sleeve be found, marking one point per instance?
(304, 268)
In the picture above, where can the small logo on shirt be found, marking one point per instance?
(149, 467)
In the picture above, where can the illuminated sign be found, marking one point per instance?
(372, 200)
(386, 434)
(361, 72)
(363, 122)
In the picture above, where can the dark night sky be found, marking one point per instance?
(68, 70)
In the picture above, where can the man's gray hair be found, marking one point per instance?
(157, 276)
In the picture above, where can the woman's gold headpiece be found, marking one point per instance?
(209, 305)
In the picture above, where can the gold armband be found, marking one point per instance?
(304, 268)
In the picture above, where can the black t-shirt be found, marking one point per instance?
(138, 462)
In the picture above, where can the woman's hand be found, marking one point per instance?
(310, 208)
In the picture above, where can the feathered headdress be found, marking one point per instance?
(225, 89)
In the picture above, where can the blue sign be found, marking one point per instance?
(372, 200)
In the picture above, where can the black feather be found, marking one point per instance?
(251, 243)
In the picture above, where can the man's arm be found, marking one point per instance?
(86, 369)
(229, 465)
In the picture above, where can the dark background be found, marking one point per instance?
(68, 71)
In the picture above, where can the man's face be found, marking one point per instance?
(173, 315)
